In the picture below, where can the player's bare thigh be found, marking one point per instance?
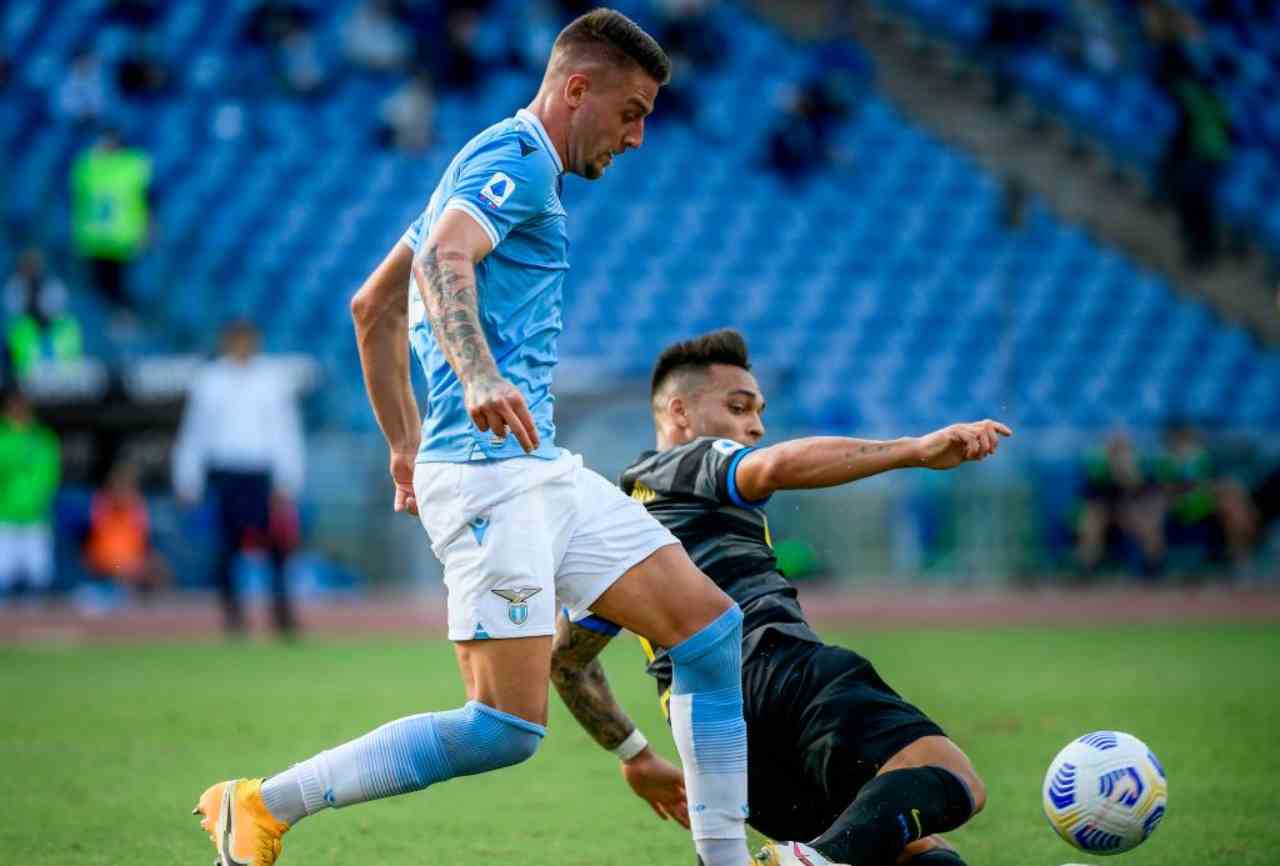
(664, 598)
(939, 751)
(510, 675)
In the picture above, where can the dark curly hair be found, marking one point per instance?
(725, 346)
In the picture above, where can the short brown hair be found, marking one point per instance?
(725, 346)
(617, 39)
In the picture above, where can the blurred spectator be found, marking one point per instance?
(1097, 36)
(111, 218)
(271, 22)
(1012, 27)
(301, 65)
(1266, 498)
(1205, 510)
(1200, 146)
(800, 142)
(38, 326)
(1015, 202)
(687, 29)
(461, 67)
(1122, 508)
(241, 441)
(118, 545)
(141, 72)
(408, 115)
(136, 13)
(30, 465)
(695, 46)
(82, 96)
(375, 39)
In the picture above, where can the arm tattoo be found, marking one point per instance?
(580, 680)
(453, 310)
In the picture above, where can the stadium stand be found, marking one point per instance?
(886, 290)
(277, 208)
(1120, 103)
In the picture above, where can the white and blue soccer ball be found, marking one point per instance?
(1105, 793)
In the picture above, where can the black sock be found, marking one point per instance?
(936, 857)
(893, 810)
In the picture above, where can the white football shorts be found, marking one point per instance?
(523, 537)
(26, 553)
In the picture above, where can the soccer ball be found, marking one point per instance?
(1105, 793)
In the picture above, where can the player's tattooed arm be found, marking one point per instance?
(447, 280)
(444, 269)
(579, 678)
(827, 461)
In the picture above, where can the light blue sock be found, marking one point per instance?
(402, 756)
(711, 736)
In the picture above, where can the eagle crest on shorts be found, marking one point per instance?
(517, 602)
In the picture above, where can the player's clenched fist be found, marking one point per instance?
(497, 406)
(951, 446)
(401, 468)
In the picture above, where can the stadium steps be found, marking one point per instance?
(938, 87)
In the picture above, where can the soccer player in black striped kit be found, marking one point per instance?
(835, 755)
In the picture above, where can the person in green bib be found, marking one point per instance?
(30, 466)
(37, 327)
(110, 212)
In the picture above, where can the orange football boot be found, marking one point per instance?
(237, 820)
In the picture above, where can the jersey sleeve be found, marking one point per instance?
(500, 189)
(413, 234)
(705, 468)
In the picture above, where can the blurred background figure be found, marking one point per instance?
(1207, 510)
(38, 326)
(118, 548)
(1200, 147)
(30, 466)
(82, 96)
(241, 444)
(409, 114)
(375, 39)
(141, 72)
(301, 65)
(270, 22)
(1122, 511)
(111, 214)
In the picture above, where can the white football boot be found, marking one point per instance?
(790, 854)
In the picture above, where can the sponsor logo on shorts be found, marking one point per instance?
(517, 602)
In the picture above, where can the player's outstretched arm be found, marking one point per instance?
(580, 680)
(445, 271)
(380, 311)
(828, 461)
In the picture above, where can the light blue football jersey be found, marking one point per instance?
(507, 179)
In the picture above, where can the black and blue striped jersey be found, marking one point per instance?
(692, 490)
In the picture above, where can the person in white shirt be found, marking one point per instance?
(241, 442)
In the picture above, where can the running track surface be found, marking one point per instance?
(196, 617)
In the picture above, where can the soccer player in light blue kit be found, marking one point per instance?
(519, 524)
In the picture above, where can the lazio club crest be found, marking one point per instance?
(517, 602)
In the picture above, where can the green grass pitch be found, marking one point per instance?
(105, 749)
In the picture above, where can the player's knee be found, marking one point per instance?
(514, 739)
(712, 658)
(486, 739)
(977, 788)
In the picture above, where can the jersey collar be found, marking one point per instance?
(531, 120)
